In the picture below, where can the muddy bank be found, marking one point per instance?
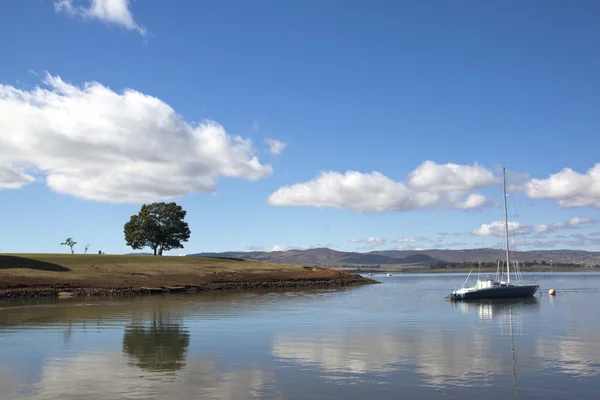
(36, 292)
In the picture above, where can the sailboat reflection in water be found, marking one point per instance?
(496, 288)
(500, 309)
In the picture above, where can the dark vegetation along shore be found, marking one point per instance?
(36, 275)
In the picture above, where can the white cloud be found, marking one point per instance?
(441, 177)
(570, 188)
(410, 239)
(275, 146)
(408, 243)
(473, 201)
(115, 12)
(575, 222)
(279, 248)
(370, 242)
(353, 190)
(497, 228)
(12, 177)
(376, 192)
(96, 144)
(573, 240)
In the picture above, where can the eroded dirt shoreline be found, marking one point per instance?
(35, 292)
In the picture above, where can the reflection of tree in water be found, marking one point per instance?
(156, 347)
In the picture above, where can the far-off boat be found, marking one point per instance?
(496, 288)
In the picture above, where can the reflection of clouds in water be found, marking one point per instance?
(10, 383)
(359, 354)
(581, 357)
(457, 358)
(110, 377)
(460, 358)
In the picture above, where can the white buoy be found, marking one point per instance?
(552, 292)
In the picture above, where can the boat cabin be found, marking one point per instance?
(486, 283)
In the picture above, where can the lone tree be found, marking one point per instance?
(159, 226)
(71, 243)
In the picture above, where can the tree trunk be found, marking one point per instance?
(154, 248)
(160, 250)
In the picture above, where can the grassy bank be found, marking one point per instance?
(48, 274)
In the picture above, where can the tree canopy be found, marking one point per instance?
(71, 243)
(159, 226)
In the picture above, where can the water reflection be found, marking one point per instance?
(161, 346)
(573, 355)
(502, 308)
(376, 341)
(488, 309)
(445, 355)
(440, 358)
(106, 376)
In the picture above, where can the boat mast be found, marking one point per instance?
(506, 224)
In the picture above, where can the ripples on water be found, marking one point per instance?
(398, 339)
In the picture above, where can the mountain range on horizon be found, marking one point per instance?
(327, 257)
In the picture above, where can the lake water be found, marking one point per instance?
(399, 339)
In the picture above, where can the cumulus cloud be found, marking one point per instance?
(440, 177)
(275, 146)
(497, 228)
(570, 188)
(430, 184)
(370, 242)
(114, 12)
(354, 190)
(12, 177)
(96, 144)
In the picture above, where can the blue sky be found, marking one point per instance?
(395, 117)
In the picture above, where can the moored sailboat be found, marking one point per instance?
(496, 288)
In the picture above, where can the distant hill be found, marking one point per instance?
(332, 258)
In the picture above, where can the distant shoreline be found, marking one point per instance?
(66, 275)
(428, 270)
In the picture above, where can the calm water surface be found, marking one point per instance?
(400, 339)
